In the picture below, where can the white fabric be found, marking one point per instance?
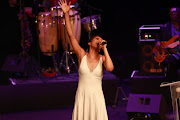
(89, 101)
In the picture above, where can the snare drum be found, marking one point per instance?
(94, 24)
(75, 20)
(48, 41)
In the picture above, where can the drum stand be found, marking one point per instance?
(66, 53)
(67, 56)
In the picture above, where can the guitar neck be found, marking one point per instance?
(173, 45)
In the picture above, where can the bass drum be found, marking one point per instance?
(48, 41)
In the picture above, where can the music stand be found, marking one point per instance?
(175, 95)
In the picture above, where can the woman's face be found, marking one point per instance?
(95, 41)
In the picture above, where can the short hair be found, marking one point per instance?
(90, 39)
(93, 36)
(176, 8)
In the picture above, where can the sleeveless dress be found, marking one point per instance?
(89, 101)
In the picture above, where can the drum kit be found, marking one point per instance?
(51, 29)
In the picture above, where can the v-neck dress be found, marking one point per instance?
(89, 101)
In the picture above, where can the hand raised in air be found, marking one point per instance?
(64, 5)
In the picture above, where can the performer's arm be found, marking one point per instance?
(77, 48)
(108, 64)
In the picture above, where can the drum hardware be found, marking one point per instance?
(56, 12)
(54, 15)
(67, 55)
(49, 35)
(91, 23)
(54, 60)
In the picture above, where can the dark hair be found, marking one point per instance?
(92, 37)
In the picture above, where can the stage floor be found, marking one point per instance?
(35, 93)
(40, 99)
(64, 77)
(44, 98)
(64, 113)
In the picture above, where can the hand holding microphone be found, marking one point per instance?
(102, 43)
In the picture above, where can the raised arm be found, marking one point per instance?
(77, 48)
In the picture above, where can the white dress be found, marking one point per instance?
(89, 101)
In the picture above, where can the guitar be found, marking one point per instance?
(162, 51)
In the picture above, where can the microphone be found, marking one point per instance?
(103, 43)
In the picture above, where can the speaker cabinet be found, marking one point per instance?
(148, 65)
(146, 106)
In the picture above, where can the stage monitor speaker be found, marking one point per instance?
(142, 106)
(148, 64)
(22, 64)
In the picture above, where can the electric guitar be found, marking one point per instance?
(165, 48)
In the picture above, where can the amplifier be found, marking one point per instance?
(148, 35)
(150, 32)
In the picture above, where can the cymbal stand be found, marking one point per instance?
(67, 54)
(53, 56)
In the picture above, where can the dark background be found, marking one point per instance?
(121, 21)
